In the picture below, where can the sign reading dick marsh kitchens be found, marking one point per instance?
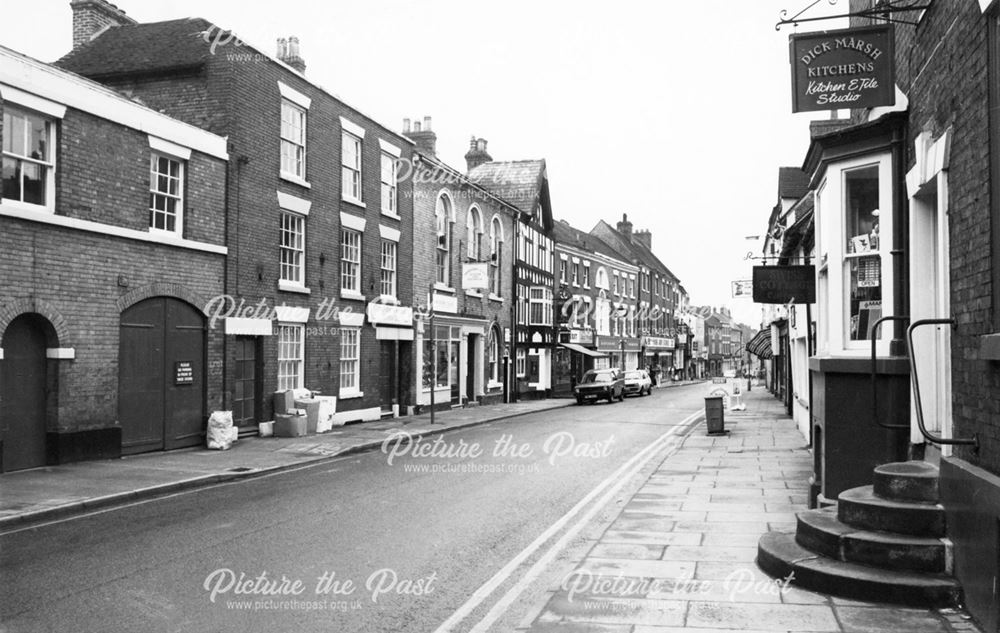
(848, 68)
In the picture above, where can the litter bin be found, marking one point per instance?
(715, 415)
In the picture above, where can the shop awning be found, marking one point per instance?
(760, 345)
(584, 350)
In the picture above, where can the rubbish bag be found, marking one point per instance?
(221, 432)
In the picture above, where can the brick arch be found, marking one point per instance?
(161, 289)
(41, 307)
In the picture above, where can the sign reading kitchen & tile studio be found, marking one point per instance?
(847, 68)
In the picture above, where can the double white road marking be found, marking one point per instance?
(607, 489)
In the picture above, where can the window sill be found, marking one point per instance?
(288, 286)
(27, 206)
(354, 296)
(473, 293)
(443, 288)
(350, 395)
(353, 201)
(394, 216)
(292, 178)
(496, 298)
(989, 346)
(494, 385)
(164, 233)
(389, 300)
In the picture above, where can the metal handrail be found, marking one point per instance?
(966, 441)
(874, 338)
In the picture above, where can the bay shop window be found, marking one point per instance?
(854, 267)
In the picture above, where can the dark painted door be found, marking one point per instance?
(456, 388)
(470, 369)
(387, 375)
(22, 393)
(246, 383)
(161, 395)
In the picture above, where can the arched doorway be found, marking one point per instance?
(161, 375)
(23, 391)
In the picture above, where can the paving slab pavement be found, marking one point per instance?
(680, 556)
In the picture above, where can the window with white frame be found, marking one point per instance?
(521, 362)
(563, 265)
(603, 314)
(350, 261)
(291, 356)
(496, 255)
(576, 273)
(387, 285)
(862, 262)
(389, 176)
(493, 370)
(293, 139)
(166, 193)
(350, 161)
(442, 220)
(28, 164)
(350, 365)
(473, 234)
(292, 246)
(586, 274)
(614, 284)
(540, 306)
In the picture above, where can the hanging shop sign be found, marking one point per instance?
(784, 284)
(847, 68)
(742, 288)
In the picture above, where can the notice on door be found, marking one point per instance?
(184, 372)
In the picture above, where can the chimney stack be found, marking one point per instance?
(477, 154)
(288, 52)
(93, 17)
(422, 135)
(643, 237)
(625, 227)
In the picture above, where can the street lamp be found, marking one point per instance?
(620, 313)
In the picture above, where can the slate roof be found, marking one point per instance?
(632, 249)
(144, 48)
(564, 233)
(792, 182)
(519, 182)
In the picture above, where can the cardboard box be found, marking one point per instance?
(284, 402)
(311, 407)
(289, 425)
(327, 409)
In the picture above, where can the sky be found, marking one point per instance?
(676, 113)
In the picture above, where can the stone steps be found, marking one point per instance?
(779, 555)
(821, 532)
(882, 542)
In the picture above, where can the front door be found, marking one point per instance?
(246, 382)
(387, 374)
(23, 393)
(470, 368)
(161, 376)
(456, 389)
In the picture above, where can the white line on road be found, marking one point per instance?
(641, 458)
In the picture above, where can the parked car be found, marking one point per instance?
(600, 384)
(638, 382)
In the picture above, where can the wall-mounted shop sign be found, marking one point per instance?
(847, 68)
(184, 372)
(784, 284)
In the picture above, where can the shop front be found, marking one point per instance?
(659, 357)
(622, 352)
(394, 333)
(575, 354)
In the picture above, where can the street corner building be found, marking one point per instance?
(319, 226)
(112, 239)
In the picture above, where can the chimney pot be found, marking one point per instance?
(427, 124)
(421, 135)
(406, 126)
(416, 126)
(477, 154)
(288, 52)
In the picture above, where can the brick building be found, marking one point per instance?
(318, 224)
(658, 293)
(467, 273)
(105, 266)
(525, 184)
(597, 304)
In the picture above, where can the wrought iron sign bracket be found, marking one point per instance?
(882, 11)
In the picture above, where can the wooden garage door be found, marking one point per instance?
(161, 376)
